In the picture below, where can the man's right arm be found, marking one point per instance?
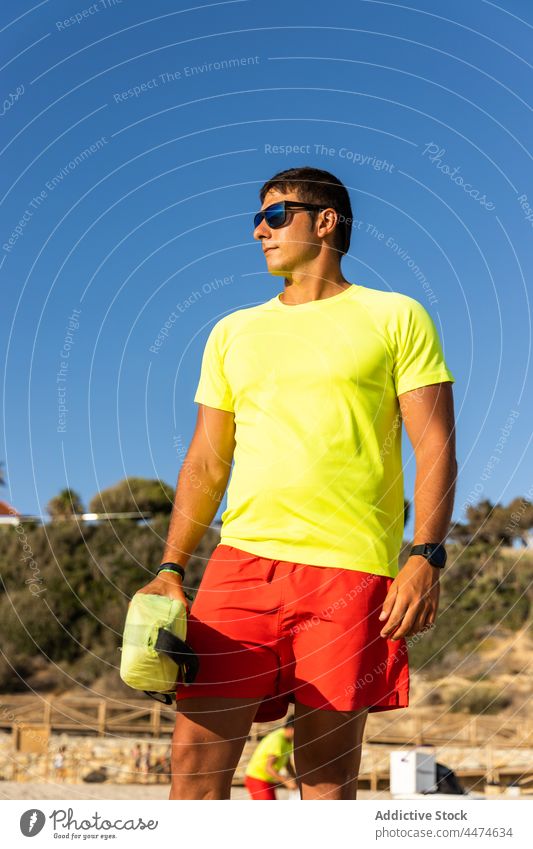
(271, 770)
(202, 482)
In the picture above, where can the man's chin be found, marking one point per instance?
(276, 267)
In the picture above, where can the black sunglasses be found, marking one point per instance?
(275, 215)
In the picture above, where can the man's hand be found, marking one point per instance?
(412, 600)
(288, 781)
(169, 584)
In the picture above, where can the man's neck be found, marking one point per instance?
(304, 287)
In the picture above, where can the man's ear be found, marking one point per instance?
(327, 220)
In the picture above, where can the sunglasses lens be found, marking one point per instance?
(274, 216)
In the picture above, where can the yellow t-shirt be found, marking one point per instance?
(317, 475)
(275, 744)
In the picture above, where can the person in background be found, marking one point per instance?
(136, 755)
(263, 773)
(147, 761)
(59, 764)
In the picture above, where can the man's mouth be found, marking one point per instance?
(265, 250)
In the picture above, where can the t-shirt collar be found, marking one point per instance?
(318, 304)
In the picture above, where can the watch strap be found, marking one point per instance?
(427, 549)
(172, 567)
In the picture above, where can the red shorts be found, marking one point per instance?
(282, 632)
(259, 789)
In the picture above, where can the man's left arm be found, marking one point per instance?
(413, 597)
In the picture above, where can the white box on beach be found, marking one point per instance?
(412, 771)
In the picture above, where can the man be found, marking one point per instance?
(303, 601)
(273, 754)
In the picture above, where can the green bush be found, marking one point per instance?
(479, 698)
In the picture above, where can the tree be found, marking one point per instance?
(134, 495)
(65, 505)
(520, 519)
(478, 520)
(494, 524)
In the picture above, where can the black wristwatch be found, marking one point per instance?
(172, 567)
(434, 552)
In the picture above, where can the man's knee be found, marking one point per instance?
(202, 768)
(199, 788)
(197, 759)
(186, 759)
(206, 746)
(316, 762)
(194, 776)
(315, 772)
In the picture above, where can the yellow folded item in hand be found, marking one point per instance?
(155, 655)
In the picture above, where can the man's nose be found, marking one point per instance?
(262, 231)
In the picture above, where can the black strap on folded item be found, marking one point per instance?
(178, 651)
(165, 698)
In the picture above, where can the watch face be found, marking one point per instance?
(438, 556)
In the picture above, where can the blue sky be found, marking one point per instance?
(135, 139)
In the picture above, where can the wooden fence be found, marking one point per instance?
(149, 718)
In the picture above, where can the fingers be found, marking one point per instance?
(388, 604)
(395, 617)
(420, 624)
(408, 615)
(427, 616)
(416, 620)
(402, 626)
(167, 589)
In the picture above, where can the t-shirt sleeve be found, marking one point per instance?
(418, 356)
(272, 744)
(213, 388)
(278, 749)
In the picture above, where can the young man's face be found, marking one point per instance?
(291, 246)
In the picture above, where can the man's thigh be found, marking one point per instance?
(327, 750)
(209, 737)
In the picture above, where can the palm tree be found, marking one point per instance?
(65, 505)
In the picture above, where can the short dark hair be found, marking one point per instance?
(313, 185)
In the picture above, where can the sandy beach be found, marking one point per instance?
(49, 790)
